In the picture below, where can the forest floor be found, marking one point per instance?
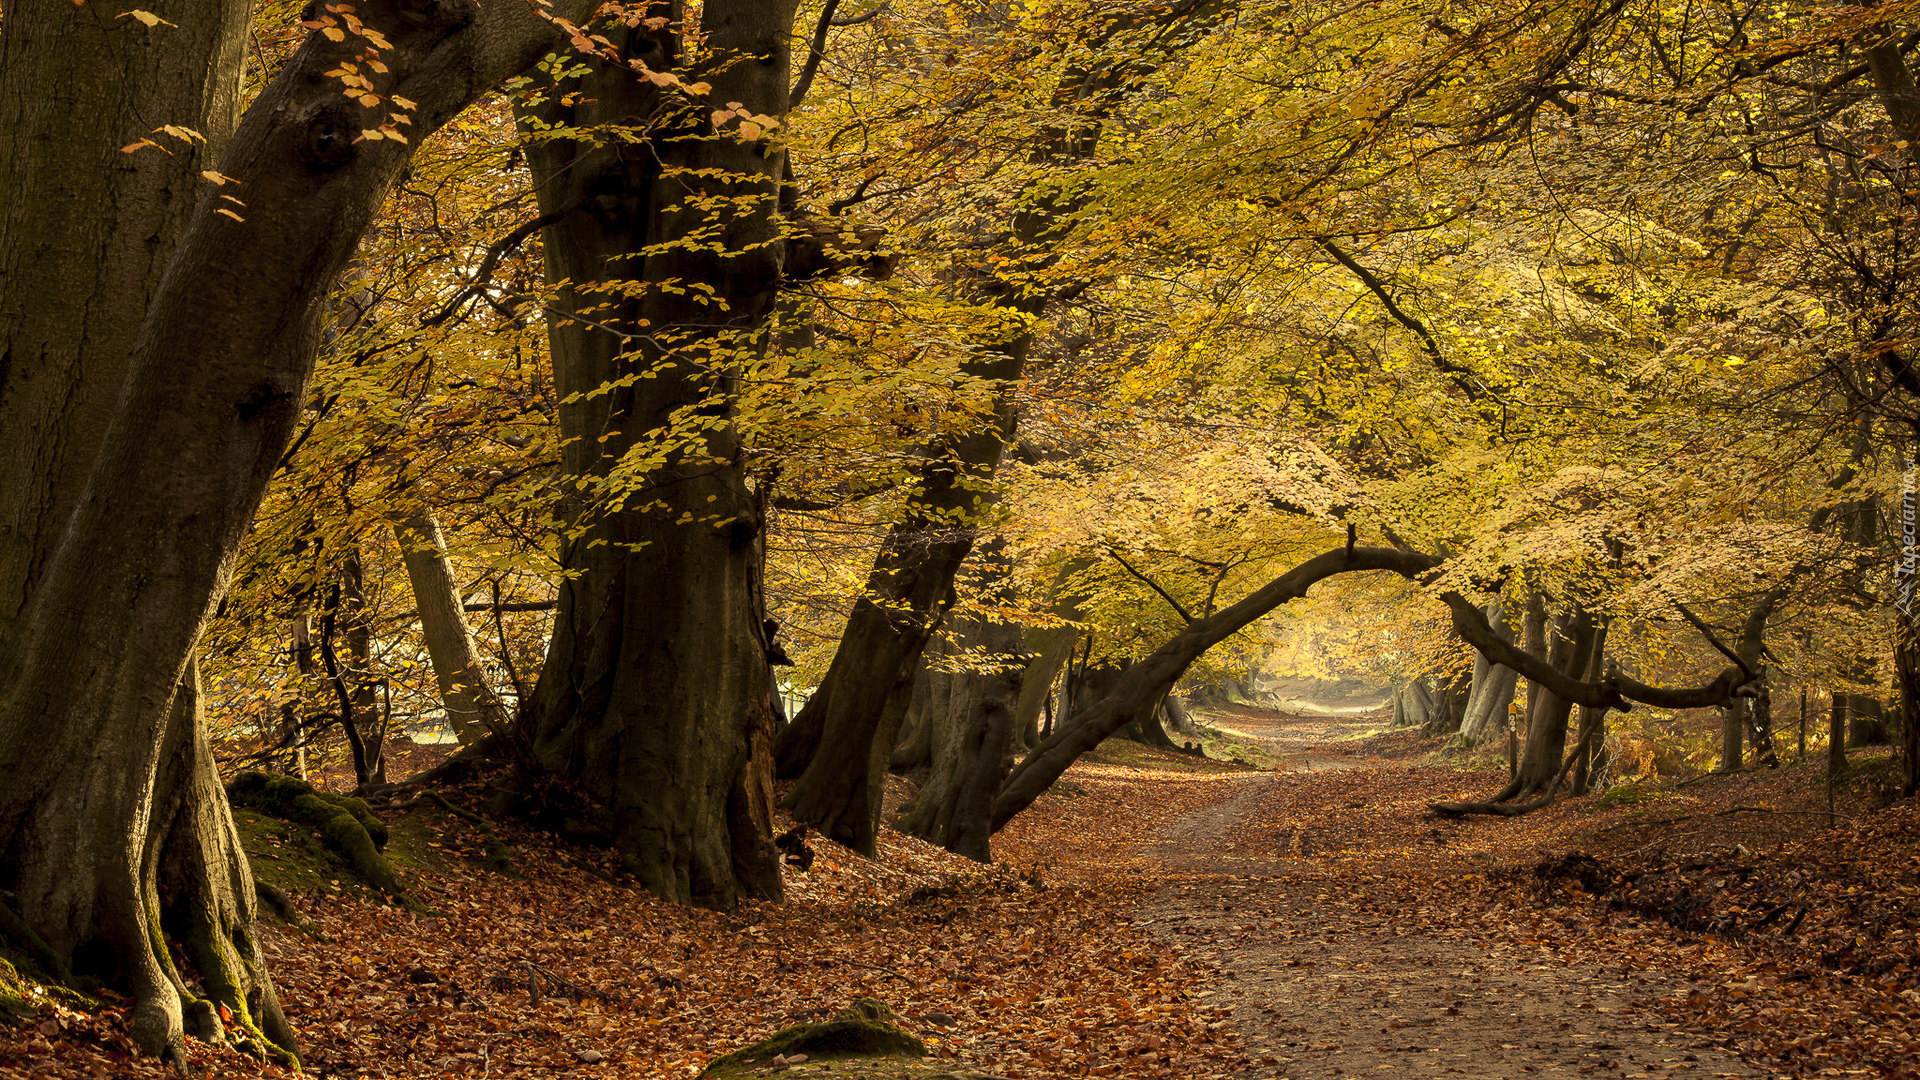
(1156, 915)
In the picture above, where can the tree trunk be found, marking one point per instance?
(153, 359)
(1179, 720)
(972, 743)
(1733, 723)
(1759, 720)
(1449, 706)
(472, 709)
(366, 725)
(655, 696)
(1569, 650)
(1837, 706)
(1491, 698)
(931, 688)
(1589, 762)
(1413, 705)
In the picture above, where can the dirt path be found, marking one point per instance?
(1340, 966)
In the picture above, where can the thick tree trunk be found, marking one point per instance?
(153, 357)
(655, 695)
(1491, 698)
(973, 730)
(1449, 705)
(1413, 704)
(931, 688)
(1179, 720)
(472, 709)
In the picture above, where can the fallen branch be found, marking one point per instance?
(533, 975)
(862, 963)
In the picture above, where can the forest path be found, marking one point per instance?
(1343, 955)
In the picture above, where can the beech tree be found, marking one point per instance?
(163, 290)
(665, 244)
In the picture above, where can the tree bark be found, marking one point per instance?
(655, 696)
(1491, 698)
(472, 709)
(1569, 650)
(1733, 725)
(153, 358)
(973, 731)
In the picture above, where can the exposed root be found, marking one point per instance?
(346, 823)
(23, 935)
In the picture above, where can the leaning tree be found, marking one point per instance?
(164, 259)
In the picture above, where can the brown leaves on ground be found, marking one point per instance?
(1000, 972)
(1797, 940)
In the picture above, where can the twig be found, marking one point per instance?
(495, 252)
(862, 963)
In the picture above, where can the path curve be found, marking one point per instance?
(1328, 974)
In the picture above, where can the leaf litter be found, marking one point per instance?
(1154, 916)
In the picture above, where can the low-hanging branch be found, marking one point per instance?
(1144, 682)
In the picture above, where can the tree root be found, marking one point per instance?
(52, 963)
(346, 823)
(1499, 809)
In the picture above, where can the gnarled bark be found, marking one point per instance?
(655, 697)
(154, 358)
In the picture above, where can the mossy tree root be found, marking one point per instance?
(347, 824)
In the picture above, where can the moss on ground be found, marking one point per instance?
(863, 1031)
(16, 994)
(294, 856)
(344, 827)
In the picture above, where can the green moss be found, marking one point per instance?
(1632, 793)
(863, 1030)
(346, 826)
(16, 994)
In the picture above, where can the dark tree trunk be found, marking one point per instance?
(1179, 720)
(973, 729)
(1759, 720)
(932, 687)
(1838, 704)
(655, 696)
(1449, 705)
(1569, 650)
(363, 719)
(153, 359)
